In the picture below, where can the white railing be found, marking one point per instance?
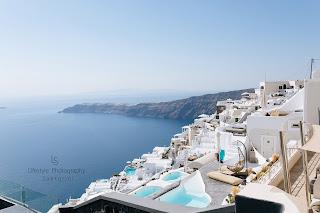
(275, 168)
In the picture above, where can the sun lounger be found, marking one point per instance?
(198, 163)
(316, 188)
(217, 175)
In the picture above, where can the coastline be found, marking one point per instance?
(181, 109)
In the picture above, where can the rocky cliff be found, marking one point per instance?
(188, 108)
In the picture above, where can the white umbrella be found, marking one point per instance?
(290, 203)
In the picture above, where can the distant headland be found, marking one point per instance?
(188, 108)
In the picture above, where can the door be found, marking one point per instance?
(267, 146)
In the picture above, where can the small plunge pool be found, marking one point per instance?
(147, 191)
(177, 175)
(130, 170)
(181, 197)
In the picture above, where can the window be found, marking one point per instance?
(295, 126)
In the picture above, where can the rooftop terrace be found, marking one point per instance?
(216, 189)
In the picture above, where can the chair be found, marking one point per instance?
(247, 204)
(239, 165)
(315, 183)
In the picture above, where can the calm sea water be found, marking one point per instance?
(60, 154)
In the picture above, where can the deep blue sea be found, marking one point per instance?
(59, 154)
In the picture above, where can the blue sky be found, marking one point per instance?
(63, 47)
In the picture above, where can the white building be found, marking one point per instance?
(301, 102)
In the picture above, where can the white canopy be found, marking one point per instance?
(203, 116)
(313, 144)
(271, 193)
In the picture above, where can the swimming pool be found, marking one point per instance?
(177, 175)
(130, 170)
(146, 191)
(181, 197)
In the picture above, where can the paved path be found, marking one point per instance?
(216, 189)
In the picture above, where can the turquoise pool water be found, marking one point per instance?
(180, 197)
(130, 170)
(147, 191)
(173, 176)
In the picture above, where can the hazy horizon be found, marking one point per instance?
(65, 48)
(114, 96)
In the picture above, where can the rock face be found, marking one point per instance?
(188, 108)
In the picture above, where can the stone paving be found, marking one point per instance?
(216, 189)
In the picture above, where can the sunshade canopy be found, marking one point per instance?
(271, 193)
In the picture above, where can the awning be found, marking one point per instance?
(313, 144)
